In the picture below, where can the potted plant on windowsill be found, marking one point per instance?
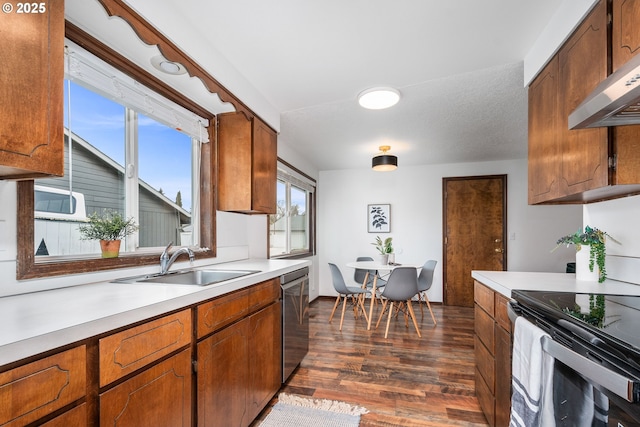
(384, 247)
(596, 240)
(109, 228)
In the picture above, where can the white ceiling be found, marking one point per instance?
(457, 63)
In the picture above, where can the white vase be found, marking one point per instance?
(582, 266)
(384, 259)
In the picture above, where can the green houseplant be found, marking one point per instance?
(596, 240)
(109, 228)
(384, 247)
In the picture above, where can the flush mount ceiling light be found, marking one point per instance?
(384, 162)
(169, 67)
(378, 98)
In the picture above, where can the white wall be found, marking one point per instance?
(287, 153)
(620, 218)
(415, 195)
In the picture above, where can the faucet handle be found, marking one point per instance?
(165, 253)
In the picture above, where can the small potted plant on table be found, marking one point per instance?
(109, 228)
(384, 247)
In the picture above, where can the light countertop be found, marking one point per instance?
(506, 281)
(41, 321)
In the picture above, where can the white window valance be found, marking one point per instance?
(91, 72)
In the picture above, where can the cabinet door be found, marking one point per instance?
(625, 43)
(625, 37)
(32, 74)
(582, 64)
(223, 377)
(544, 152)
(32, 391)
(264, 167)
(265, 358)
(157, 397)
(503, 376)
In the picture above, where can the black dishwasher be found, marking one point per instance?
(295, 319)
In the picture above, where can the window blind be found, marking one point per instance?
(91, 72)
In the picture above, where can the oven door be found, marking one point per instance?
(586, 392)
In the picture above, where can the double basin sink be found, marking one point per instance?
(201, 277)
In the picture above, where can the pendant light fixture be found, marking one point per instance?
(384, 162)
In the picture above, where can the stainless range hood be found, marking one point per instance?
(615, 102)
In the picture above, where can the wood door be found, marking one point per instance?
(475, 218)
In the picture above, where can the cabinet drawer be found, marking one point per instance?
(484, 328)
(159, 396)
(263, 294)
(129, 350)
(76, 417)
(501, 315)
(483, 296)
(32, 391)
(222, 311)
(485, 364)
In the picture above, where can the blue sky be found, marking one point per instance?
(164, 154)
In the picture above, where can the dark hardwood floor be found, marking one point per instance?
(403, 380)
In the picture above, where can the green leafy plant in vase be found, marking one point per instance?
(384, 247)
(109, 228)
(596, 240)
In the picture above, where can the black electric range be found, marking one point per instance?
(603, 328)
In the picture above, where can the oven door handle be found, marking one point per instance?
(598, 374)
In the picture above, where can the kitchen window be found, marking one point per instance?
(129, 149)
(292, 227)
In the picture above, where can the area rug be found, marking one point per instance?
(297, 411)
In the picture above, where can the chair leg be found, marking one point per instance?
(413, 317)
(419, 300)
(334, 307)
(426, 299)
(344, 308)
(361, 305)
(384, 305)
(386, 332)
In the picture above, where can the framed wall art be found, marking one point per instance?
(379, 218)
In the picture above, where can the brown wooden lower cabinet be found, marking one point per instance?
(239, 370)
(76, 417)
(35, 390)
(143, 375)
(493, 355)
(157, 397)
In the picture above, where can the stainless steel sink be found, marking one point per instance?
(189, 277)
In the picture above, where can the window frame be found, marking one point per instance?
(311, 209)
(26, 265)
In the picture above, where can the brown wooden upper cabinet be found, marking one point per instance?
(247, 161)
(31, 96)
(582, 165)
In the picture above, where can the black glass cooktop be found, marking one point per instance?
(613, 319)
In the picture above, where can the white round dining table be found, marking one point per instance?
(375, 265)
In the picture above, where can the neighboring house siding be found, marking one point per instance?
(103, 188)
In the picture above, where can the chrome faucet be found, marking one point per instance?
(166, 262)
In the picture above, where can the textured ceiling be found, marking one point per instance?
(458, 64)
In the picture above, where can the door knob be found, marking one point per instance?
(499, 250)
(498, 240)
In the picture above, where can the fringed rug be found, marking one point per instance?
(296, 411)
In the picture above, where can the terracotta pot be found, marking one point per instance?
(110, 248)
